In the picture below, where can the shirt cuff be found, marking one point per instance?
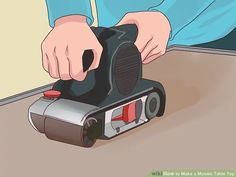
(61, 8)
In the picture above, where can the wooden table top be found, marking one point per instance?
(197, 131)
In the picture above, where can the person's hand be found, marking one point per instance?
(63, 48)
(153, 33)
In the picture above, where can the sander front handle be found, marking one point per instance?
(87, 59)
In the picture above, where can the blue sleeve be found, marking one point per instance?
(194, 22)
(60, 8)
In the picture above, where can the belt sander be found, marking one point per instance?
(113, 98)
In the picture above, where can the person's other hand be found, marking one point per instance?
(153, 33)
(63, 48)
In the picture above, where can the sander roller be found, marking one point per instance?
(112, 99)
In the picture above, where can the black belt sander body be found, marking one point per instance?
(112, 99)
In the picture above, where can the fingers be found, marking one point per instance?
(52, 65)
(67, 63)
(49, 60)
(75, 64)
(149, 51)
(154, 54)
(151, 58)
(149, 47)
(63, 63)
(45, 61)
(44, 57)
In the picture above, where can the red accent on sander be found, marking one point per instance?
(128, 114)
(52, 94)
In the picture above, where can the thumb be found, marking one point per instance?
(124, 20)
